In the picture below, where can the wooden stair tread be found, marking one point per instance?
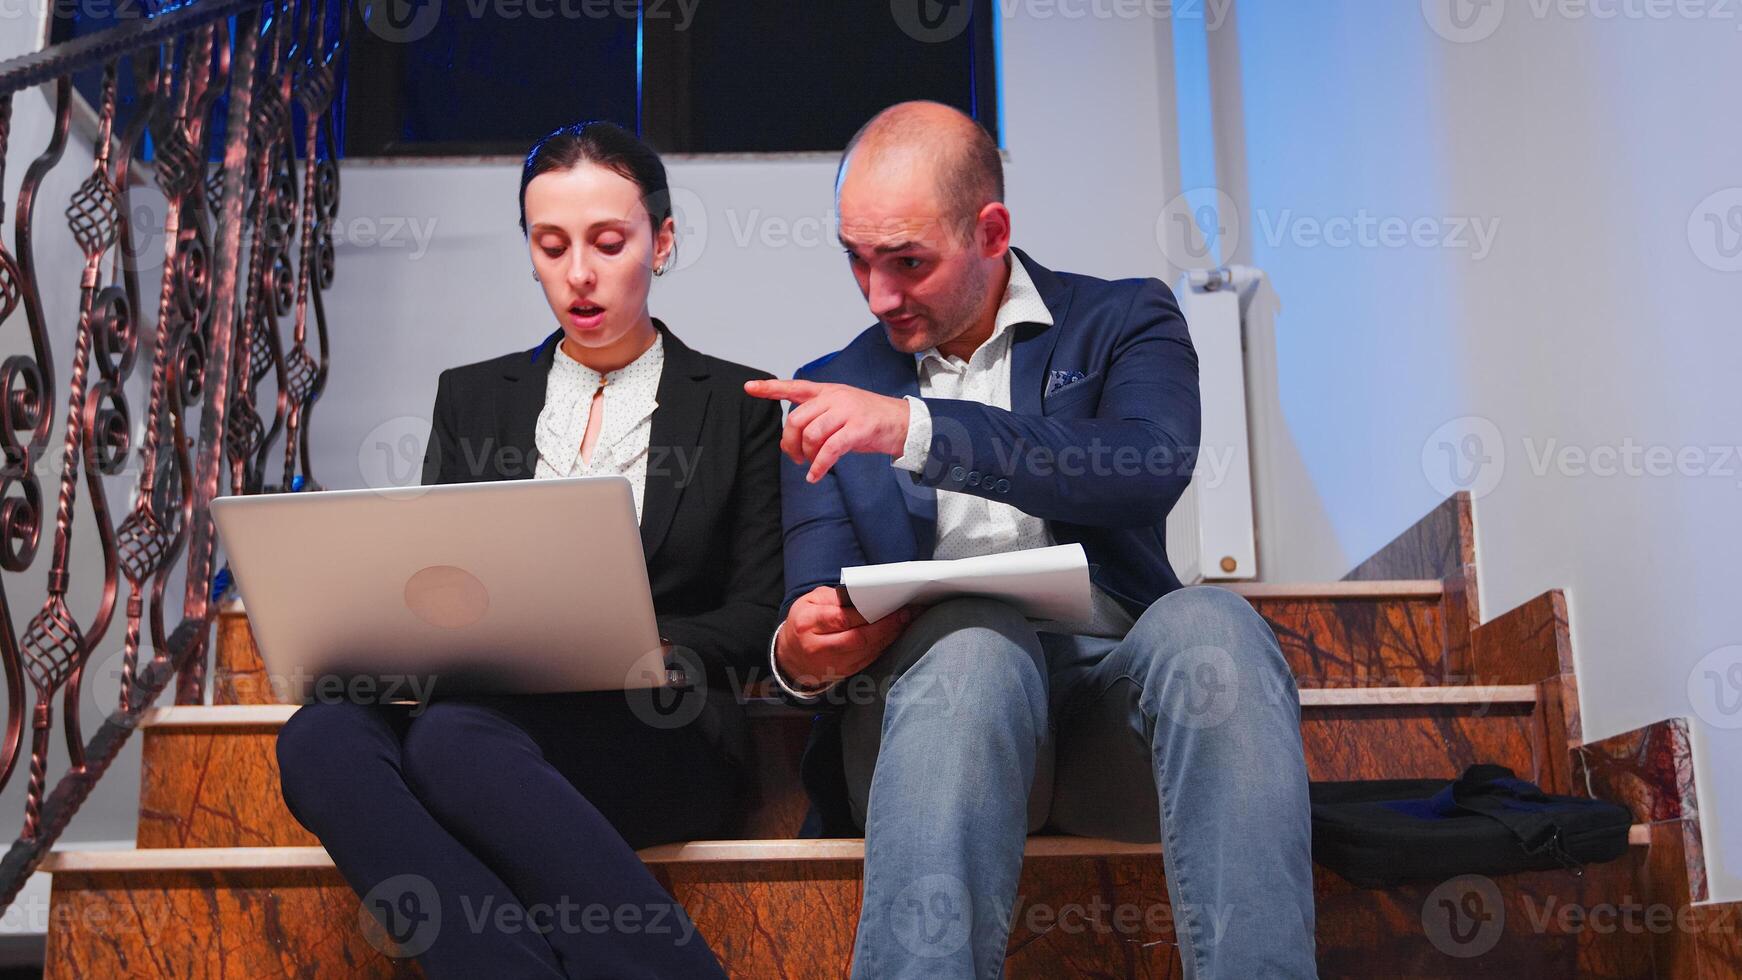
(275, 715)
(1406, 588)
(1426, 588)
(145, 859)
(690, 852)
(186, 859)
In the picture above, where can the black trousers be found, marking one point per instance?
(497, 836)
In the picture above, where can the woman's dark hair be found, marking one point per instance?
(608, 145)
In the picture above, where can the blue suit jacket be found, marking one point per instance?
(1100, 441)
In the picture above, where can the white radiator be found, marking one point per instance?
(1210, 531)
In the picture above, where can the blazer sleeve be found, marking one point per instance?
(441, 455)
(1126, 467)
(820, 541)
(731, 639)
(820, 538)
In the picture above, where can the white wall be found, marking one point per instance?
(1586, 144)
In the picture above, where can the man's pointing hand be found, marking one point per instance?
(828, 421)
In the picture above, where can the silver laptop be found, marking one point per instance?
(523, 586)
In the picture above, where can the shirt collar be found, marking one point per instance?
(651, 357)
(1021, 304)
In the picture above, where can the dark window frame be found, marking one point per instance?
(662, 109)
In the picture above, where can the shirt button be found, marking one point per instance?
(974, 478)
(958, 474)
(1003, 486)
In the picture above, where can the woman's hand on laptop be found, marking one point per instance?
(823, 641)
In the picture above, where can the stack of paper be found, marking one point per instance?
(1042, 583)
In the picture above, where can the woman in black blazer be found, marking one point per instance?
(497, 835)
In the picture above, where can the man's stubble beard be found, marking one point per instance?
(968, 306)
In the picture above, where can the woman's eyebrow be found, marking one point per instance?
(544, 226)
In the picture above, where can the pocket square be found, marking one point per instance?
(1061, 379)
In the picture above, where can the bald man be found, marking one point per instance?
(996, 406)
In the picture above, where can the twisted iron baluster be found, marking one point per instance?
(193, 359)
(266, 346)
(197, 602)
(246, 432)
(53, 643)
(28, 385)
(304, 378)
(185, 339)
(148, 538)
(15, 466)
(108, 431)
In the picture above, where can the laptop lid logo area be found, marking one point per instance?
(447, 597)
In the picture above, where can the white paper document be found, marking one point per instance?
(1042, 583)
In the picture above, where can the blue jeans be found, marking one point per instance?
(984, 730)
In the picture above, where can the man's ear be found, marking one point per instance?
(992, 229)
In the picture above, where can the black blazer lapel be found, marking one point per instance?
(677, 428)
(521, 402)
(1031, 348)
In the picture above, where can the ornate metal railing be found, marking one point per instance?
(245, 243)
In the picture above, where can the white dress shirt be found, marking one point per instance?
(970, 525)
(621, 447)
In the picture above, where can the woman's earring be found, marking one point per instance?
(659, 270)
(535, 277)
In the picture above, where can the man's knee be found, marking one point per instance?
(961, 663)
(970, 652)
(1212, 642)
(970, 611)
(968, 628)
